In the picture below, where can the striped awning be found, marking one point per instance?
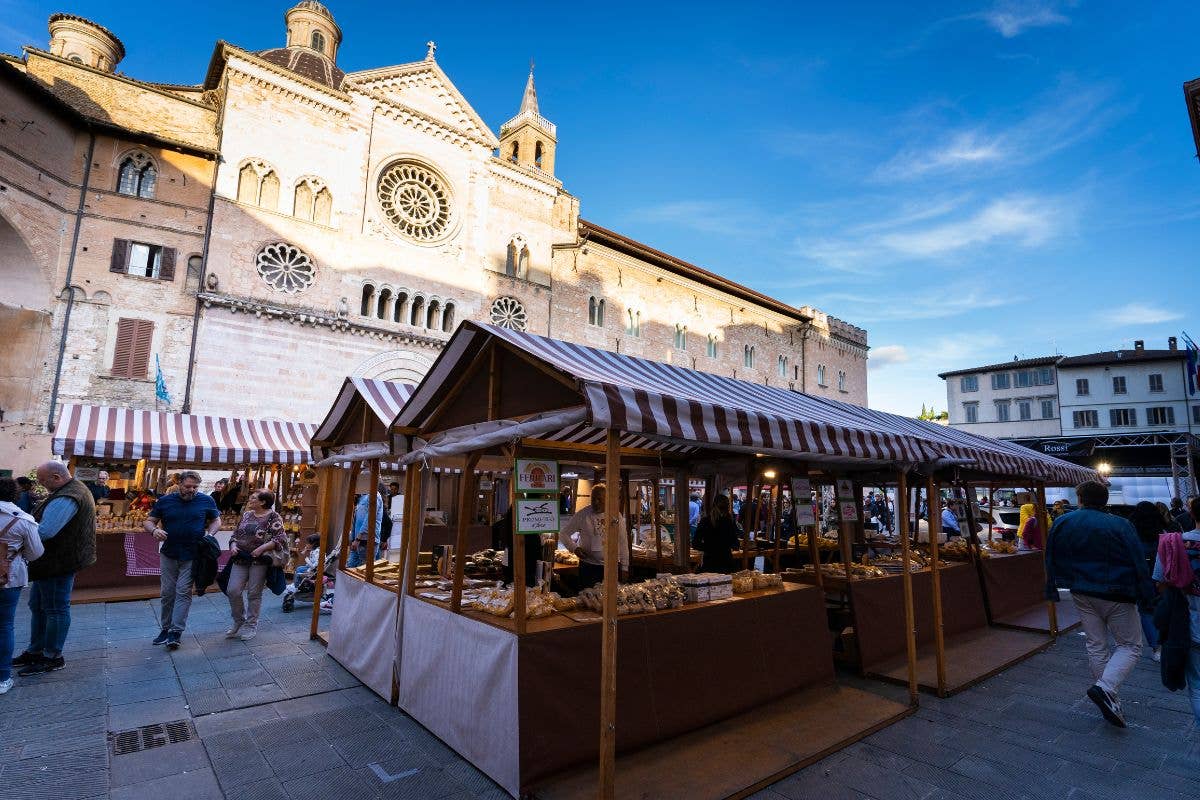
(382, 398)
(129, 434)
(661, 406)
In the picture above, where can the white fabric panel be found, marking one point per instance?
(458, 678)
(482, 435)
(362, 636)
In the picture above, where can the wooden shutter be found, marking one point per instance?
(120, 256)
(166, 267)
(126, 329)
(139, 357)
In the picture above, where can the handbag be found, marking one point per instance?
(5, 560)
(280, 558)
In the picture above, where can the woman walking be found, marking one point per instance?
(1149, 524)
(19, 544)
(717, 535)
(259, 532)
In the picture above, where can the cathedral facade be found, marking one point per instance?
(282, 224)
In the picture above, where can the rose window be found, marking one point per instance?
(507, 312)
(415, 201)
(286, 268)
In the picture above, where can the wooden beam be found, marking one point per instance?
(418, 523)
(372, 519)
(493, 408)
(910, 619)
(325, 490)
(1040, 510)
(934, 504)
(347, 515)
(683, 534)
(460, 539)
(655, 511)
(778, 523)
(408, 525)
(608, 659)
(843, 539)
(430, 423)
(991, 508)
(520, 614)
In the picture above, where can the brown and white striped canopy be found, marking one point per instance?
(385, 398)
(129, 434)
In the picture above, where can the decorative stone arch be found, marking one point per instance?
(368, 296)
(395, 365)
(400, 302)
(312, 200)
(417, 310)
(517, 245)
(145, 171)
(258, 183)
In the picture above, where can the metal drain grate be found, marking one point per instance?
(148, 736)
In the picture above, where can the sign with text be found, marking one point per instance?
(802, 501)
(845, 489)
(537, 515)
(849, 510)
(537, 475)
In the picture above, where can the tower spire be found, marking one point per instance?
(529, 99)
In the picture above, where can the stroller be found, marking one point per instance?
(305, 589)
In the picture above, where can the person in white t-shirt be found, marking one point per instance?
(584, 536)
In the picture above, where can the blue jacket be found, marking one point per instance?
(1094, 553)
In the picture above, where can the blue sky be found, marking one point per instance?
(968, 181)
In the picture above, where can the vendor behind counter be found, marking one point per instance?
(584, 536)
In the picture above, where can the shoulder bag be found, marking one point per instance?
(5, 560)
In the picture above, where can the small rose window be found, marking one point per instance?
(507, 312)
(285, 267)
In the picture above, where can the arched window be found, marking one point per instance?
(318, 42)
(600, 314)
(418, 311)
(258, 185)
(195, 264)
(635, 323)
(537, 155)
(841, 381)
(680, 337)
(712, 346)
(516, 152)
(595, 311)
(448, 318)
(523, 264)
(382, 311)
(781, 366)
(821, 375)
(323, 207)
(433, 319)
(510, 261)
(303, 204)
(748, 356)
(796, 372)
(368, 300)
(400, 308)
(137, 176)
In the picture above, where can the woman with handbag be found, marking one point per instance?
(258, 544)
(19, 544)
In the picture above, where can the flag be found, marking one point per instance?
(160, 383)
(1193, 364)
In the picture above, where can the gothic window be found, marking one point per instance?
(595, 311)
(323, 207)
(418, 311)
(195, 265)
(258, 185)
(680, 337)
(285, 267)
(137, 176)
(748, 356)
(712, 346)
(635, 323)
(523, 264)
(312, 202)
(781, 366)
(433, 319)
(318, 42)
(448, 318)
(368, 301)
(302, 206)
(385, 296)
(415, 201)
(537, 155)
(510, 259)
(821, 375)
(401, 307)
(841, 381)
(507, 312)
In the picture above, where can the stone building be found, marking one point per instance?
(322, 224)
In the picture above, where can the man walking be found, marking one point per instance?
(67, 527)
(180, 520)
(1098, 557)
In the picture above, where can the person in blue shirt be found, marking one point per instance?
(180, 520)
(950, 522)
(693, 513)
(358, 542)
(1098, 557)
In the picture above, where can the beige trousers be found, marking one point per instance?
(247, 580)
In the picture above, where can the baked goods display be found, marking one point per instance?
(637, 598)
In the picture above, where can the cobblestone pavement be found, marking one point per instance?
(277, 718)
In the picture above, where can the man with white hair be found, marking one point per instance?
(67, 527)
(99, 487)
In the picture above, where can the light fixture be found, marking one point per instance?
(769, 474)
(1104, 468)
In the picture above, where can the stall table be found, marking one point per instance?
(1016, 586)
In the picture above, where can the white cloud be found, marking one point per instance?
(1027, 221)
(1011, 19)
(888, 354)
(962, 149)
(1140, 314)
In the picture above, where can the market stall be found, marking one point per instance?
(497, 394)
(139, 449)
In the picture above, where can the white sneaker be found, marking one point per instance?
(232, 633)
(248, 633)
(5, 686)
(1157, 654)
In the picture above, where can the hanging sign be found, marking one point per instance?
(485, 484)
(849, 511)
(537, 515)
(802, 501)
(537, 475)
(845, 489)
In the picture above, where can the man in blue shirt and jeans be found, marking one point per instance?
(180, 520)
(1098, 557)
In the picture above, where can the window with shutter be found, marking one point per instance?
(131, 355)
(126, 329)
(166, 267)
(120, 256)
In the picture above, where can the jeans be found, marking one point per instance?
(1193, 680)
(8, 612)
(1148, 630)
(1101, 618)
(357, 557)
(248, 579)
(298, 578)
(50, 604)
(176, 585)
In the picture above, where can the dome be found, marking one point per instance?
(313, 5)
(306, 63)
(86, 42)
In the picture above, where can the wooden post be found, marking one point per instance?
(973, 546)
(655, 510)
(778, 524)
(460, 539)
(372, 519)
(843, 539)
(347, 515)
(752, 518)
(412, 491)
(418, 523)
(630, 520)
(325, 490)
(518, 566)
(1039, 509)
(683, 535)
(814, 552)
(991, 509)
(910, 620)
(934, 504)
(608, 665)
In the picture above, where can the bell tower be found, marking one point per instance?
(529, 138)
